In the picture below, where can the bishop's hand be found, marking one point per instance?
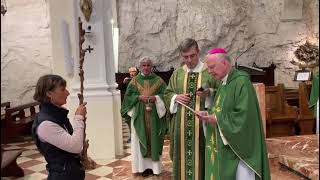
(205, 117)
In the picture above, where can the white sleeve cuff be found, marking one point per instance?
(161, 109)
(204, 126)
(130, 113)
(173, 105)
(208, 102)
(78, 117)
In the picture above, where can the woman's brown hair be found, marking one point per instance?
(45, 84)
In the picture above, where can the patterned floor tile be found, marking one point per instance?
(29, 152)
(27, 144)
(41, 159)
(101, 171)
(104, 162)
(33, 146)
(38, 167)
(27, 172)
(35, 156)
(34, 176)
(23, 159)
(91, 177)
(104, 178)
(30, 164)
(119, 163)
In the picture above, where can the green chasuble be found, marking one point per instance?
(149, 128)
(186, 132)
(238, 117)
(314, 95)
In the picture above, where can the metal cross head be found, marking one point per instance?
(89, 48)
(189, 152)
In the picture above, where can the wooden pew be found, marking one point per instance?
(306, 120)
(4, 106)
(18, 121)
(292, 96)
(9, 166)
(281, 117)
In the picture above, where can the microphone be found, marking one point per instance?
(236, 61)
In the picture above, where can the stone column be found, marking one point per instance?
(104, 129)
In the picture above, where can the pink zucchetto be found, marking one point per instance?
(217, 51)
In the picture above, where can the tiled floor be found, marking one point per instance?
(34, 164)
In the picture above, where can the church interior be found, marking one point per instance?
(275, 42)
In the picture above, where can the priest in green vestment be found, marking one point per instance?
(235, 142)
(143, 104)
(314, 99)
(191, 85)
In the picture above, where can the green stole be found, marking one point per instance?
(187, 141)
(190, 129)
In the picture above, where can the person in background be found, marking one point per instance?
(132, 72)
(54, 136)
(235, 142)
(143, 104)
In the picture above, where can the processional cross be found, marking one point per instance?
(86, 161)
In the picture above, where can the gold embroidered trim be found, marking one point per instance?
(182, 165)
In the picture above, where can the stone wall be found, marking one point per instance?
(276, 27)
(25, 49)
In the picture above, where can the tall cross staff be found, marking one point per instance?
(86, 161)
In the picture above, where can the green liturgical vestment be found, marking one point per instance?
(149, 127)
(187, 142)
(238, 117)
(314, 95)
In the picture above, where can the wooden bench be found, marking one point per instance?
(4, 106)
(9, 166)
(292, 96)
(306, 120)
(18, 121)
(281, 117)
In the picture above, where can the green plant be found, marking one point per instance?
(308, 56)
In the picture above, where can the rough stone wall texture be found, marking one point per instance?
(25, 49)
(276, 27)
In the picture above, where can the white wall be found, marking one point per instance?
(25, 49)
